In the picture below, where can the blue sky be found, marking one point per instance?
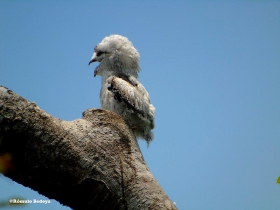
(212, 69)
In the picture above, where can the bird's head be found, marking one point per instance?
(116, 55)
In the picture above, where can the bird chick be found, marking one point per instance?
(121, 92)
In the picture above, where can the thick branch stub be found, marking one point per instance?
(88, 163)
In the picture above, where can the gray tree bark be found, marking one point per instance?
(89, 163)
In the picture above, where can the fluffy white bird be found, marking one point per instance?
(121, 92)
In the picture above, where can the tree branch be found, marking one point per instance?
(89, 163)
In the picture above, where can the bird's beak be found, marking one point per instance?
(93, 59)
(95, 72)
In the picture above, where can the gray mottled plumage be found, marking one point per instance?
(121, 92)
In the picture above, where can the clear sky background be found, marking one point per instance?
(212, 69)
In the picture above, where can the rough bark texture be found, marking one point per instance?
(89, 163)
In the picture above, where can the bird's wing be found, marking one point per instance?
(133, 94)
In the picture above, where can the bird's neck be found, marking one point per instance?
(105, 75)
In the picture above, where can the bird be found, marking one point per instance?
(121, 92)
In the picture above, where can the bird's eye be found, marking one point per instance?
(99, 53)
